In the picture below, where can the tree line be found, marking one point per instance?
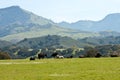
(74, 52)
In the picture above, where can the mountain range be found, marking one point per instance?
(17, 24)
(110, 23)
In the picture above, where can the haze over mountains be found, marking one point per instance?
(17, 24)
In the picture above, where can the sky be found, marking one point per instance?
(67, 10)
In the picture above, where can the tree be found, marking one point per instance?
(4, 55)
(91, 52)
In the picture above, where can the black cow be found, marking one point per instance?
(71, 56)
(54, 54)
(41, 55)
(113, 55)
(98, 55)
(32, 58)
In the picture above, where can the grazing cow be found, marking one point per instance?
(32, 58)
(59, 57)
(41, 55)
(98, 55)
(71, 56)
(114, 55)
(54, 54)
(81, 56)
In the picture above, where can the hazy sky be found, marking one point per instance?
(67, 10)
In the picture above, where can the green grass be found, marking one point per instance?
(61, 69)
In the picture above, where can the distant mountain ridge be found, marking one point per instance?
(111, 22)
(15, 14)
(17, 24)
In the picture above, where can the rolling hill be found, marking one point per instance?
(110, 40)
(50, 41)
(4, 44)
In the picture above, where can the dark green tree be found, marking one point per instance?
(4, 55)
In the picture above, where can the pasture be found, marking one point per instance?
(61, 69)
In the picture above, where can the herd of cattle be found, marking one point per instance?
(57, 56)
(42, 56)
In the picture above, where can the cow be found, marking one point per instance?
(54, 54)
(81, 56)
(59, 57)
(41, 55)
(32, 58)
(98, 55)
(71, 56)
(114, 55)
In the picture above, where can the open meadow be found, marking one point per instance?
(61, 69)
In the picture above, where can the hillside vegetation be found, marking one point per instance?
(5, 44)
(66, 46)
(49, 41)
(110, 40)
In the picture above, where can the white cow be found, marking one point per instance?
(59, 57)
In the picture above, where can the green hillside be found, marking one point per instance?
(4, 44)
(49, 41)
(49, 31)
(110, 40)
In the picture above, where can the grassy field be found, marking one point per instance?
(61, 69)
